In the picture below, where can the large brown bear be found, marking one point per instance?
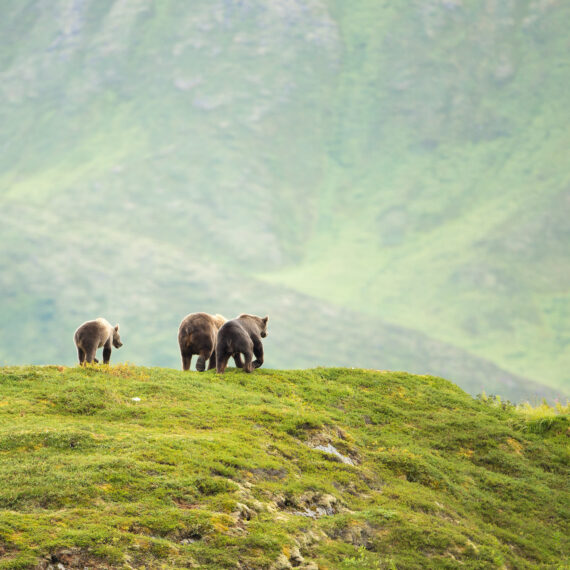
(197, 335)
(92, 335)
(241, 336)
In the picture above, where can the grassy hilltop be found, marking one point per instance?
(395, 174)
(124, 466)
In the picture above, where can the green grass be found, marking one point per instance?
(210, 471)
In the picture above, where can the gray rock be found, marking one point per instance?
(334, 451)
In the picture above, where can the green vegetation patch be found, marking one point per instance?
(122, 466)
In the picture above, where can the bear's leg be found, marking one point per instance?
(258, 351)
(222, 361)
(212, 361)
(248, 364)
(201, 362)
(186, 361)
(81, 355)
(106, 354)
(238, 360)
(90, 354)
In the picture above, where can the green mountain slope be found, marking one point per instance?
(327, 468)
(376, 169)
(449, 194)
(302, 330)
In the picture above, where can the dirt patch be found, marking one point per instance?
(311, 505)
(181, 503)
(356, 533)
(71, 558)
(271, 474)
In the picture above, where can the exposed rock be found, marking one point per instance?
(355, 534)
(325, 441)
(295, 557)
(282, 563)
(311, 505)
(334, 451)
(243, 512)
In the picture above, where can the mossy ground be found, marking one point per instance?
(124, 466)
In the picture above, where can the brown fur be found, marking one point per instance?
(241, 336)
(197, 335)
(92, 335)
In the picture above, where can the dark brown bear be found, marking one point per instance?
(197, 335)
(92, 335)
(241, 336)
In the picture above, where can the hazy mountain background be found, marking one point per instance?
(388, 181)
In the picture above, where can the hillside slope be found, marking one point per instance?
(406, 166)
(327, 468)
(43, 314)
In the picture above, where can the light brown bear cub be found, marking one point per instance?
(92, 335)
(241, 336)
(197, 335)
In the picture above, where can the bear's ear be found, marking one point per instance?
(265, 319)
(117, 327)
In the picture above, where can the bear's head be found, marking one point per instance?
(258, 322)
(116, 338)
(263, 330)
(219, 320)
